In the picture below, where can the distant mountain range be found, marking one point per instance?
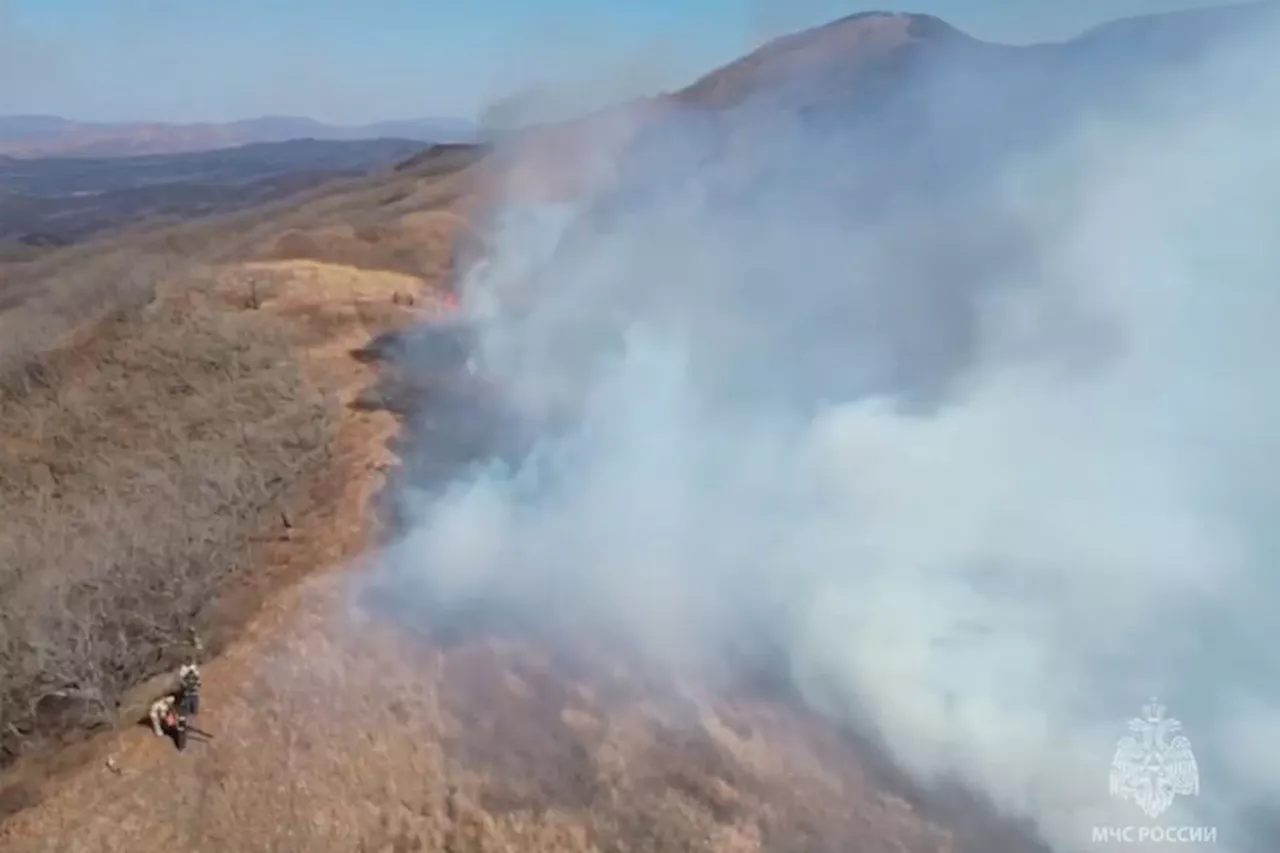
(27, 136)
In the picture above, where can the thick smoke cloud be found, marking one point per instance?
(988, 474)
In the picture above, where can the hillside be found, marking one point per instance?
(57, 201)
(843, 59)
(195, 375)
(53, 136)
(264, 426)
(898, 125)
(889, 251)
(886, 79)
(253, 319)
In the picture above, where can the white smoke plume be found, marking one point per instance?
(986, 515)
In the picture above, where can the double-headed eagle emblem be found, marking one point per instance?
(1155, 764)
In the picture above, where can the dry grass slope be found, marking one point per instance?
(144, 448)
(172, 393)
(155, 425)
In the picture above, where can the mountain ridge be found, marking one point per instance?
(28, 136)
(868, 63)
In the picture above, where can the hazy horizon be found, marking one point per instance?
(396, 60)
(444, 118)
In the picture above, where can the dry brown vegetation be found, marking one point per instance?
(138, 465)
(337, 733)
(155, 424)
(153, 433)
(161, 408)
(147, 436)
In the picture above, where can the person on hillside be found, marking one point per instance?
(164, 714)
(187, 695)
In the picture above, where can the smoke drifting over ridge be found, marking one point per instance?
(990, 466)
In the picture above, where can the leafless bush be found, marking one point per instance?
(149, 431)
(56, 300)
(135, 468)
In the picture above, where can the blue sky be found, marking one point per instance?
(363, 60)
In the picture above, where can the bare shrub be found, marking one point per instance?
(152, 429)
(137, 466)
(56, 300)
